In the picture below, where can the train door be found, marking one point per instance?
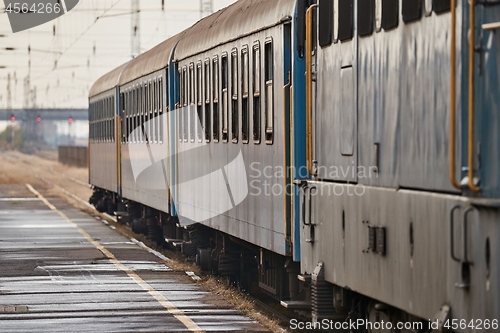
(334, 86)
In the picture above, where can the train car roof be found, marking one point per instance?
(150, 61)
(241, 18)
(107, 81)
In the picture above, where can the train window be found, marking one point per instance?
(152, 108)
(345, 18)
(441, 6)
(134, 114)
(215, 94)
(269, 77)
(184, 115)
(179, 113)
(412, 9)
(113, 118)
(104, 109)
(192, 120)
(160, 111)
(96, 107)
(428, 7)
(378, 15)
(125, 117)
(122, 111)
(130, 113)
(325, 22)
(244, 95)
(234, 96)
(199, 109)
(141, 113)
(390, 14)
(107, 108)
(365, 17)
(335, 5)
(147, 109)
(256, 68)
(208, 111)
(224, 113)
(154, 132)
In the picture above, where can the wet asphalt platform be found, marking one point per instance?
(61, 270)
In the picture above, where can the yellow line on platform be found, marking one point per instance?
(171, 308)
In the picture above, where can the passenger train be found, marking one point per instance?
(343, 155)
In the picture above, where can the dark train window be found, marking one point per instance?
(269, 77)
(215, 96)
(345, 19)
(199, 108)
(208, 111)
(412, 10)
(147, 112)
(224, 113)
(152, 108)
(113, 118)
(256, 68)
(366, 12)
(244, 95)
(125, 117)
(160, 110)
(142, 114)
(234, 96)
(441, 6)
(135, 112)
(154, 126)
(325, 33)
(390, 14)
(122, 111)
(184, 110)
(192, 115)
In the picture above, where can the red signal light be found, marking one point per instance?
(12, 118)
(70, 120)
(38, 119)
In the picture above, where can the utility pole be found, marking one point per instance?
(9, 93)
(136, 32)
(206, 8)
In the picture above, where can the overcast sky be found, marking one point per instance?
(84, 47)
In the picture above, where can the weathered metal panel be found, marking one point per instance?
(229, 24)
(416, 277)
(151, 61)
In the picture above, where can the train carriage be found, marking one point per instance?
(103, 146)
(402, 101)
(344, 154)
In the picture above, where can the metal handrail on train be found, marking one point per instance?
(470, 160)
(472, 17)
(309, 90)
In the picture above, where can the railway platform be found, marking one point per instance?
(64, 271)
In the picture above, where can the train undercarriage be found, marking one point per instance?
(260, 272)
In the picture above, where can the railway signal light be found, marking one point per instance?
(12, 118)
(70, 120)
(38, 119)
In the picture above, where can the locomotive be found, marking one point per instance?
(342, 156)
